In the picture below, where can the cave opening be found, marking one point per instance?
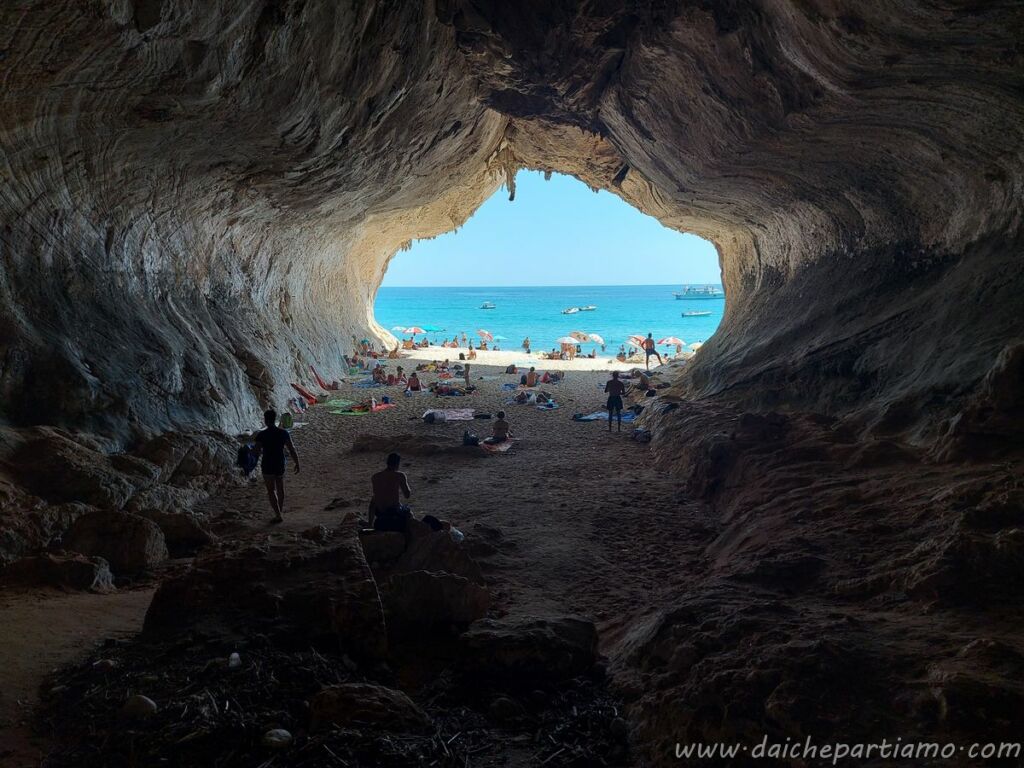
(811, 527)
(560, 258)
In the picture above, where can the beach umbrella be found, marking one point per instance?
(671, 341)
(414, 330)
(567, 340)
(486, 335)
(595, 338)
(637, 340)
(696, 345)
(579, 336)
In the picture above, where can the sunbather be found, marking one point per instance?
(414, 383)
(500, 431)
(531, 377)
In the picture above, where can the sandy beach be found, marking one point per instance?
(503, 358)
(556, 549)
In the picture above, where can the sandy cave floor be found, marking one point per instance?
(587, 525)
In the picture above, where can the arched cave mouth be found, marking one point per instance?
(197, 204)
(558, 246)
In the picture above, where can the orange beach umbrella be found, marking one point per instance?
(485, 335)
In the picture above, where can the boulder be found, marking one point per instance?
(130, 543)
(183, 457)
(381, 548)
(182, 532)
(524, 650)
(54, 466)
(296, 589)
(65, 571)
(420, 599)
(437, 552)
(362, 705)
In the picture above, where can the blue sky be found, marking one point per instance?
(556, 232)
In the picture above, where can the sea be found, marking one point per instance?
(536, 311)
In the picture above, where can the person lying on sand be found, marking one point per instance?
(615, 389)
(270, 444)
(387, 512)
(501, 432)
(414, 383)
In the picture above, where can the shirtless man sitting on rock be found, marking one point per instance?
(387, 512)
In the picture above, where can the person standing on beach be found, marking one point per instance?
(615, 389)
(465, 339)
(526, 344)
(270, 446)
(650, 349)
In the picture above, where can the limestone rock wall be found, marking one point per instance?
(199, 199)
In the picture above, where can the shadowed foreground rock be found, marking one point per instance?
(297, 590)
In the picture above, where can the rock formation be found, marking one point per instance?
(198, 200)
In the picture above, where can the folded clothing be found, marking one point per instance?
(451, 414)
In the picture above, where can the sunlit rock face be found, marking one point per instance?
(200, 199)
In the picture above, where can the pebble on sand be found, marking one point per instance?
(139, 707)
(277, 738)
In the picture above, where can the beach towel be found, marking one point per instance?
(627, 416)
(509, 386)
(548, 407)
(452, 414)
(309, 396)
(320, 382)
(496, 447)
(367, 384)
(362, 410)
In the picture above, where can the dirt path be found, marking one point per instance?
(42, 631)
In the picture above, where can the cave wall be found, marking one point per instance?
(199, 199)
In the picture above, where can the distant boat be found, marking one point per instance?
(696, 314)
(699, 292)
(588, 308)
(488, 305)
(570, 310)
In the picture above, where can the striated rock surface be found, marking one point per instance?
(198, 200)
(192, 210)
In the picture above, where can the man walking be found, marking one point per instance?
(270, 446)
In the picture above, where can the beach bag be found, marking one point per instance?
(468, 438)
(287, 421)
(246, 459)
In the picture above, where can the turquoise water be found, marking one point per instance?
(536, 312)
